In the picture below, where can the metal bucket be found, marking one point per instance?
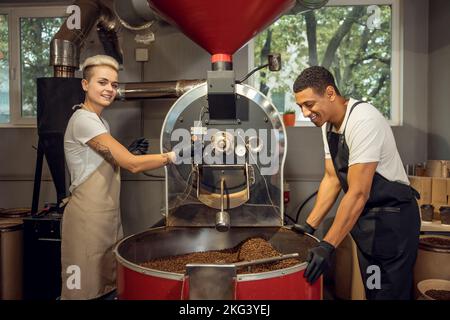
(137, 282)
(433, 262)
(11, 259)
(15, 212)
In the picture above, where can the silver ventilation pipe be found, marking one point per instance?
(135, 15)
(155, 90)
(65, 45)
(307, 5)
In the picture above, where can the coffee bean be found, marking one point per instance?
(250, 249)
(438, 294)
(435, 241)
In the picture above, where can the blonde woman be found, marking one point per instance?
(91, 223)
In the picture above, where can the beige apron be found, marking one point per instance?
(91, 227)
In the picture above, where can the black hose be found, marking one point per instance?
(152, 175)
(303, 204)
(252, 72)
(290, 218)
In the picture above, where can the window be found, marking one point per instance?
(4, 69)
(358, 41)
(25, 35)
(35, 37)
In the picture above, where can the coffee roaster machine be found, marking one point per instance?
(228, 185)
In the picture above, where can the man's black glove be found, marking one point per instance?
(304, 228)
(319, 259)
(139, 146)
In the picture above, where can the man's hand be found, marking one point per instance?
(304, 228)
(139, 146)
(319, 259)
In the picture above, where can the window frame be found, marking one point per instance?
(15, 91)
(396, 57)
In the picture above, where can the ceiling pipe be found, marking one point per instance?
(65, 45)
(135, 15)
(155, 90)
(302, 6)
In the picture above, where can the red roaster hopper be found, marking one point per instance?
(221, 27)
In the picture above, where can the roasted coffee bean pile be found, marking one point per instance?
(250, 249)
(435, 241)
(257, 248)
(438, 294)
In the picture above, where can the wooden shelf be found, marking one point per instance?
(435, 225)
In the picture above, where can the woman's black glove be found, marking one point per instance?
(319, 259)
(139, 146)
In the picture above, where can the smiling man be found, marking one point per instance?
(379, 208)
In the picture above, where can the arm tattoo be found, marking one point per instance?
(104, 152)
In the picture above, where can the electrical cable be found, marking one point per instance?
(290, 218)
(251, 73)
(186, 192)
(152, 175)
(259, 170)
(189, 184)
(303, 204)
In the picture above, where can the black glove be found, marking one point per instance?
(304, 228)
(139, 146)
(319, 259)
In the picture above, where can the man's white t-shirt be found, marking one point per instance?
(81, 160)
(369, 138)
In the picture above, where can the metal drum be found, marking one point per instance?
(433, 261)
(137, 282)
(11, 258)
(11, 252)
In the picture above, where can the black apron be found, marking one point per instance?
(387, 231)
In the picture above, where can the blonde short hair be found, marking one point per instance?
(98, 60)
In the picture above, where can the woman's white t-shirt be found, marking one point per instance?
(81, 160)
(369, 138)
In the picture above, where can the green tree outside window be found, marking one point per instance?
(35, 37)
(345, 39)
(4, 70)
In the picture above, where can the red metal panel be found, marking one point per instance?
(288, 287)
(132, 285)
(221, 26)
